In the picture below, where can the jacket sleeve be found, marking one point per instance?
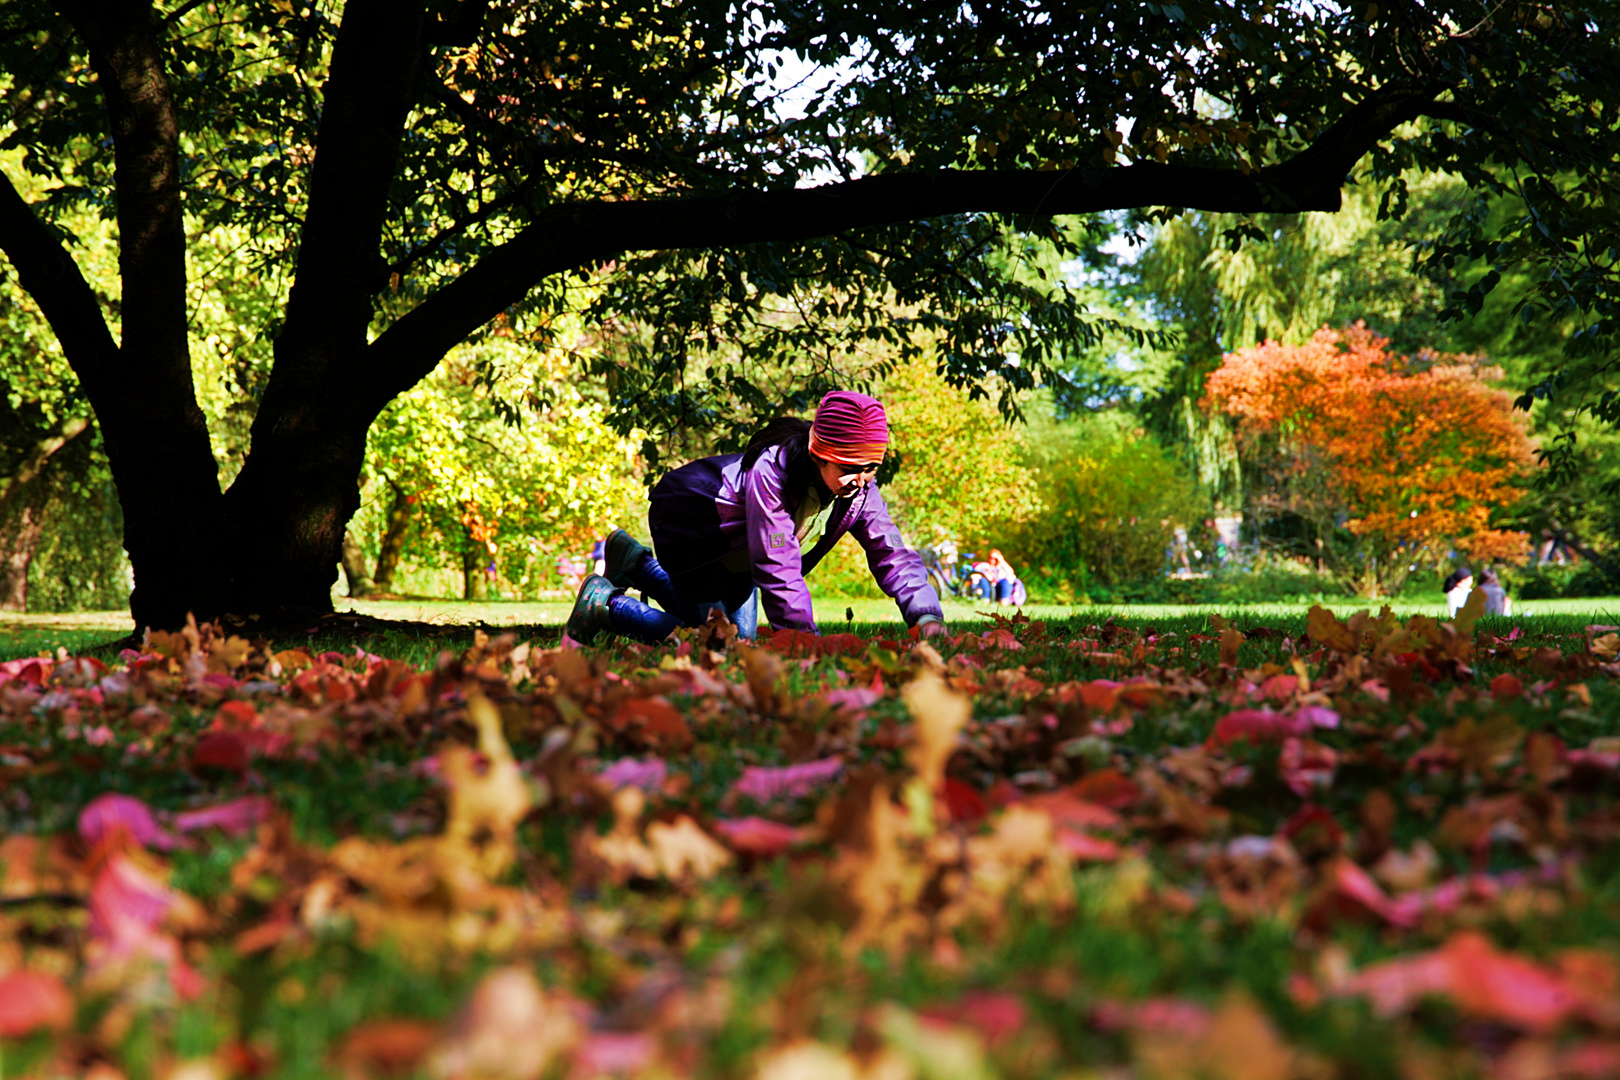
(898, 569)
(773, 550)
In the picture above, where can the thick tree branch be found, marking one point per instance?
(580, 234)
(128, 59)
(367, 98)
(64, 432)
(48, 274)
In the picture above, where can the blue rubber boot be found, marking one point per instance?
(633, 619)
(590, 619)
(622, 558)
(649, 576)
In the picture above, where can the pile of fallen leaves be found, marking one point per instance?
(1343, 848)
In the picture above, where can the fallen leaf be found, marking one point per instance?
(31, 1000)
(510, 1029)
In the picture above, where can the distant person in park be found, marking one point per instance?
(1458, 584)
(1497, 601)
(723, 525)
(1004, 581)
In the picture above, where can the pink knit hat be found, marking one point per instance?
(850, 429)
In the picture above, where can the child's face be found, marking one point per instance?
(844, 480)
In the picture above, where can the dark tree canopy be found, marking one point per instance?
(429, 166)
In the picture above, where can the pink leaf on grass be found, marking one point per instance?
(111, 811)
(787, 782)
(757, 835)
(1085, 846)
(647, 775)
(993, 1014)
(1482, 980)
(127, 906)
(613, 1053)
(236, 817)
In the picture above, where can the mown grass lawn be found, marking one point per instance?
(1096, 843)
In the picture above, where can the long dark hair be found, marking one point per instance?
(790, 432)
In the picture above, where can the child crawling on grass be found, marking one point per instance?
(722, 526)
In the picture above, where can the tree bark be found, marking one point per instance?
(474, 581)
(354, 567)
(22, 501)
(19, 539)
(393, 541)
(288, 510)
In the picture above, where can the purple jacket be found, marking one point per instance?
(704, 511)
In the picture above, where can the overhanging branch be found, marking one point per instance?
(585, 233)
(48, 274)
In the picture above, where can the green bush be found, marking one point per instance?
(1108, 515)
(80, 563)
(1574, 582)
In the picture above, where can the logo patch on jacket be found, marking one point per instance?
(778, 539)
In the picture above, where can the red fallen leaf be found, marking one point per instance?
(1350, 885)
(235, 818)
(965, 804)
(28, 671)
(993, 1014)
(795, 642)
(1100, 695)
(1306, 765)
(1480, 979)
(757, 836)
(1278, 687)
(842, 644)
(1506, 687)
(1142, 695)
(1108, 787)
(390, 1047)
(1256, 726)
(1085, 846)
(1066, 807)
(236, 715)
(1000, 638)
(614, 1053)
(1002, 793)
(1164, 1015)
(105, 813)
(656, 716)
(30, 1000)
(221, 750)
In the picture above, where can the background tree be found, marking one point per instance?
(427, 166)
(1388, 460)
(503, 465)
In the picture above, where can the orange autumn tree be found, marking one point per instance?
(1386, 460)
